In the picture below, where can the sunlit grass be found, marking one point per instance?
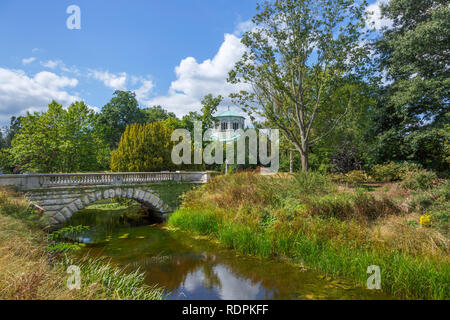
(335, 230)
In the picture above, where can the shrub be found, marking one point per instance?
(386, 172)
(419, 179)
(356, 176)
(143, 148)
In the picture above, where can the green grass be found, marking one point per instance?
(114, 281)
(402, 275)
(309, 222)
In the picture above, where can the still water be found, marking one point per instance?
(194, 268)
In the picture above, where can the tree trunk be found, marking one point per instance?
(291, 162)
(304, 154)
(304, 157)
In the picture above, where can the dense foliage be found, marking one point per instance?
(58, 140)
(143, 148)
(413, 114)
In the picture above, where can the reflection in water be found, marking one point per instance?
(190, 268)
(235, 287)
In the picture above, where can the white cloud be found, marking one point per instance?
(53, 64)
(375, 19)
(29, 60)
(195, 80)
(243, 26)
(141, 86)
(20, 93)
(144, 90)
(110, 80)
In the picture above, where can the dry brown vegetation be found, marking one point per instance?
(27, 272)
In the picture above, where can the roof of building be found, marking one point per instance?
(229, 113)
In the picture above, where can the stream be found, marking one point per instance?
(189, 267)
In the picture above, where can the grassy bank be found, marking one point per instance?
(330, 227)
(27, 271)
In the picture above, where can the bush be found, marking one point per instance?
(386, 172)
(419, 179)
(143, 148)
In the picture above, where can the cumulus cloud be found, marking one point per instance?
(143, 92)
(197, 79)
(374, 18)
(54, 64)
(29, 60)
(141, 86)
(51, 64)
(110, 80)
(20, 93)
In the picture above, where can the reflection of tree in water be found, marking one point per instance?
(211, 279)
(103, 223)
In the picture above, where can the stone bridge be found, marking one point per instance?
(59, 196)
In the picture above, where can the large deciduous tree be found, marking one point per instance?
(121, 111)
(414, 54)
(57, 140)
(299, 54)
(157, 113)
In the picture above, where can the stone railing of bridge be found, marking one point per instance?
(27, 182)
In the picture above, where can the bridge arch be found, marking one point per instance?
(145, 197)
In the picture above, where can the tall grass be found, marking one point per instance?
(28, 272)
(114, 282)
(338, 231)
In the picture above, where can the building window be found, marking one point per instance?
(224, 126)
(235, 125)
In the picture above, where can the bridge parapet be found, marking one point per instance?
(28, 182)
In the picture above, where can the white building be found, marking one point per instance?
(228, 123)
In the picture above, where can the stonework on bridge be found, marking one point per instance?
(59, 196)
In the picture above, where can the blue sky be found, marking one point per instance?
(169, 52)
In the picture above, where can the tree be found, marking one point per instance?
(414, 55)
(2, 140)
(57, 140)
(298, 55)
(209, 107)
(121, 111)
(157, 113)
(143, 148)
(8, 133)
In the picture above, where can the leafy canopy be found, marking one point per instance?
(300, 56)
